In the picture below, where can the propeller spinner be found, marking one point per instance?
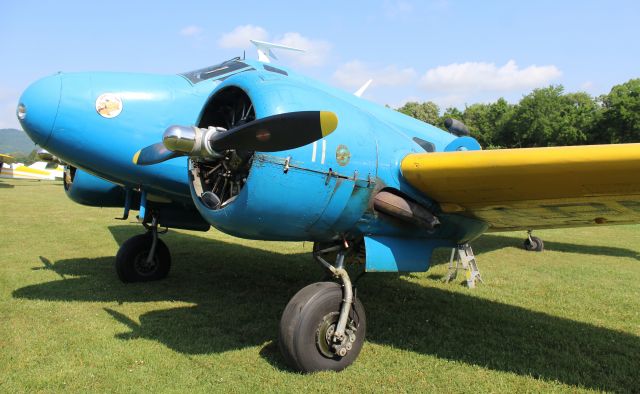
(271, 134)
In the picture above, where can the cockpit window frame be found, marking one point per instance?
(217, 71)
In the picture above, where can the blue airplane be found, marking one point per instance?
(259, 151)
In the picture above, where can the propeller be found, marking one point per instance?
(154, 154)
(271, 134)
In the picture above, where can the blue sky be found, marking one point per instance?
(451, 52)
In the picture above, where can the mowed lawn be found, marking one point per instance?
(564, 320)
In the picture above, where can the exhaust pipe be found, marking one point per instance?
(405, 210)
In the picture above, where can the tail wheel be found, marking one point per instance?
(307, 326)
(533, 244)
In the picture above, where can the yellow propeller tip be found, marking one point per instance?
(328, 122)
(135, 157)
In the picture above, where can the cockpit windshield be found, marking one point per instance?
(215, 72)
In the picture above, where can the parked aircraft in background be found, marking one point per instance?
(262, 152)
(5, 159)
(40, 170)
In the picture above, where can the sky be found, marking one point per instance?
(454, 53)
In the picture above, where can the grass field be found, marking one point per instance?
(564, 320)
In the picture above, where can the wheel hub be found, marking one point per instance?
(143, 266)
(327, 343)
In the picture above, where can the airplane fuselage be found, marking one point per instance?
(314, 192)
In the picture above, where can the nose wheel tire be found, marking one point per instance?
(133, 265)
(533, 244)
(307, 326)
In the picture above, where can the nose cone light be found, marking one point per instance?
(41, 99)
(21, 111)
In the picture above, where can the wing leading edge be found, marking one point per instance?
(519, 189)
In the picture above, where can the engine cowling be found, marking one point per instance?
(87, 189)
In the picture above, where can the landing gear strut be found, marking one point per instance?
(323, 326)
(144, 257)
(533, 244)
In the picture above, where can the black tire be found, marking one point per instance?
(303, 321)
(534, 245)
(131, 260)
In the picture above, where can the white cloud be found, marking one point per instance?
(316, 51)
(450, 100)
(355, 73)
(240, 36)
(191, 31)
(483, 77)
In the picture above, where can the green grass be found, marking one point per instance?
(565, 320)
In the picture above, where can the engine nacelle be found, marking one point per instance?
(87, 189)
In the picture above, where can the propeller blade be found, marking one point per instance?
(277, 132)
(154, 154)
(271, 134)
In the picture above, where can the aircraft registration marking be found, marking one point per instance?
(313, 154)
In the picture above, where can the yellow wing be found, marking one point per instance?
(6, 158)
(513, 189)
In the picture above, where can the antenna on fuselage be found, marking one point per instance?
(265, 53)
(360, 92)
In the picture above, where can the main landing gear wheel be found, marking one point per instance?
(533, 244)
(133, 263)
(308, 325)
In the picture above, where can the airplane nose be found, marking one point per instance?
(38, 108)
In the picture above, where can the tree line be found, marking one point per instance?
(546, 117)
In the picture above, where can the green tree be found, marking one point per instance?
(547, 117)
(427, 112)
(620, 121)
(581, 114)
(534, 119)
(450, 112)
(486, 121)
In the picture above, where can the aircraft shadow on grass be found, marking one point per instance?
(239, 293)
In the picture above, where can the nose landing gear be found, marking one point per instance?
(144, 257)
